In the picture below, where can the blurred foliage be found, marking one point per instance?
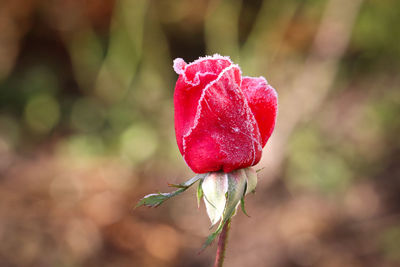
(86, 129)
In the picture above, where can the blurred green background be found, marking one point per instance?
(86, 129)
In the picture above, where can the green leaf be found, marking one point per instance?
(155, 200)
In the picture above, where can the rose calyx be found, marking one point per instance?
(221, 192)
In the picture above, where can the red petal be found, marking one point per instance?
(224, 135)
(263, 100)
(191, 82)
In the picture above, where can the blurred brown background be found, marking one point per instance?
(86, 129)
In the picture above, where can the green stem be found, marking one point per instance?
(222, 242)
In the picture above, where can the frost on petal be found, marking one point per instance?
(225, 134)
(262, 100)
(189, 87)
(179, 65)
(205, 66)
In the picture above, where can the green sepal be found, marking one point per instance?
(199, 194)
(209, 240)
(191, 181)
(211, 237)
(236, 189)
(215, 187)
(243, 208)
(176, 185)
(155, 200)
(251, 184)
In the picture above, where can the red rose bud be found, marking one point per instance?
(222, 120)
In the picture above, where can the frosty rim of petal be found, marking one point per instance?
(180, 67)
(198, 109)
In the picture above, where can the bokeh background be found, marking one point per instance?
(86, 129)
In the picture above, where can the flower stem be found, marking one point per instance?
(222, 242)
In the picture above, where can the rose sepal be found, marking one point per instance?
(156, 199)
(222, 193)
(237, 183)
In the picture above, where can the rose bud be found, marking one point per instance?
(222, 120)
